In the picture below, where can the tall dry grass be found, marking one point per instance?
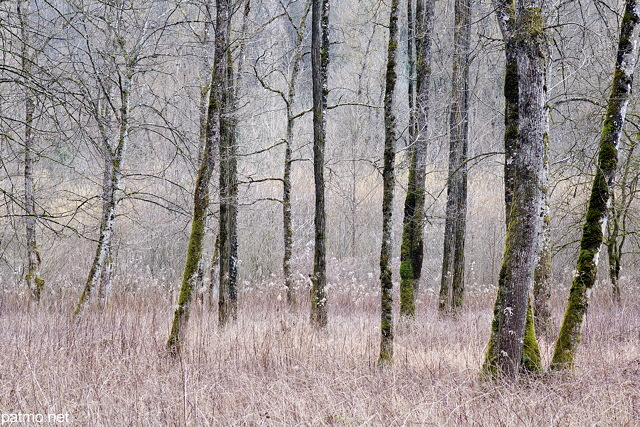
(270, 368)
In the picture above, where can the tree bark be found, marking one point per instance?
(228, 228)
(319, 65)
(228, 221)
(388, 176)
(600, 200)
(524, 159)
(452, 279)
(411, 252)
(205, 172)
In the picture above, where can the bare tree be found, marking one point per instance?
(524, 163)
(28, 57)
(201, 192)
(411, 252)
(452, 279)
(600, 200)
(319, 66)
(388, 178)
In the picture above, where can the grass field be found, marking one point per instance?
(270, 368)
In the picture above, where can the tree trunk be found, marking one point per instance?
(319, 65)
(287, 218)
(228, 228)
(614, 244)
(512, 343)
(113, 176)
(388, 176)
(34, 282)
(205, 172)
(411, 252)
(228, 221)
(617, 226)
(599, 202)
(543, 273)
(452, 279)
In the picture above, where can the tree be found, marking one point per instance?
(620, 213)
(452, 279)
(411, 251)
(228, 220)
(601, 192)
(205, 172)
(319, 66)
(113, 103)
(388, 178)
(288, 96)
(28, 57)
(512, 331)
(287, 218)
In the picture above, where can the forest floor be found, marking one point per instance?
(110, 367)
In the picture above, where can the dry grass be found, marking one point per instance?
(271, 368)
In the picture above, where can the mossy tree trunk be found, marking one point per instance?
(600, 199)
(452, 279)
(34, 282)
(319, 66)
(388, 177)
(512, 344)
(411, 252)
(205, 172)
(531, 359)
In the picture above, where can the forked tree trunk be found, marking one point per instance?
(388, 177)
(319, 65)
(452, 279)
(600, 200)
(205, 172)
(411, 251)
(113, 176)
(531, 359)
(512, 338)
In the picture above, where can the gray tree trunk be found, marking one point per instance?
(287, 217)
(319, 65)
(452, 279)
(388, 177)
(512, 331)
(600, 200)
